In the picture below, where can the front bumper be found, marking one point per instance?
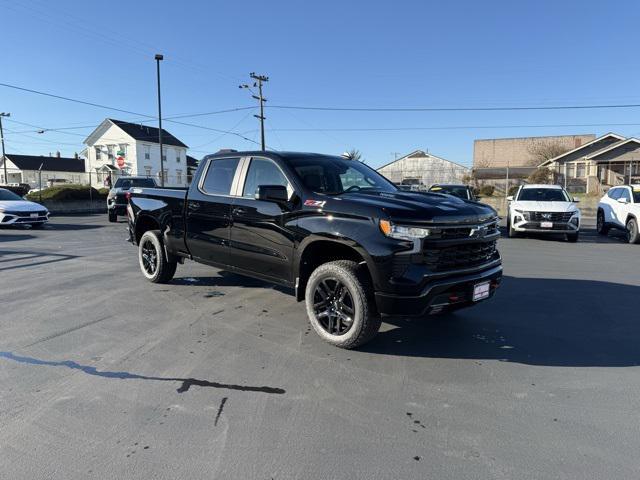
(558, 227)
(443, 294)
(23, 218)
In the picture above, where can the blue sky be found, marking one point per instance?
(329, 53)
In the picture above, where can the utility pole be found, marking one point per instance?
(4, 158)
(258, 81)
(159, 58)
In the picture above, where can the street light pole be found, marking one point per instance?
(159, 58)
(4, 158)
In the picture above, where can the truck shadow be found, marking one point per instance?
(230, 279)
(532, 321)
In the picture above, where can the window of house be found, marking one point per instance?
(98, 152)
(110, 152)
(122, 148)
(220, 176)
(147, 152)
(571, 170)
(263, 172)
(147, 171)
(164, 155)
(179, 177)
(177, 155)
(581, 170)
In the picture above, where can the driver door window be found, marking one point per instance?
(263, 172)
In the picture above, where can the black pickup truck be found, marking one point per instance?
(351, 244)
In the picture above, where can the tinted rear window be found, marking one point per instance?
(127, 183)
(220, 176)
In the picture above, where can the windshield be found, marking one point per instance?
(127, 183)
(334, 175)
(543, 195)
(8, 195)
(457, 191)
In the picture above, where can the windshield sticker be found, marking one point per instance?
(314, 203)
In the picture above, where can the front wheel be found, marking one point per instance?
(153, 260)
(511, 233)
(632, 231)
(601, 227)
(113, 217)
(340, 305)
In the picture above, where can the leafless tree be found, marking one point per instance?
(543, 149)
(353, 154)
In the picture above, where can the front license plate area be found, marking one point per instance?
(481, 291)
(34, 215)
(546, 224)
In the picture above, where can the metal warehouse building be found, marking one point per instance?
(423, 170)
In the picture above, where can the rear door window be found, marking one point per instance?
(219, 176)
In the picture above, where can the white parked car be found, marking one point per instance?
(620, 208)
(15, 210)
(543, 209)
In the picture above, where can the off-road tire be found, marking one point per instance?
(164, 270)
(366, 321)
(633, 234)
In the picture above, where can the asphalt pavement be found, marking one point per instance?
(107, 376)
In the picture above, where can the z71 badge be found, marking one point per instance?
(314, 203)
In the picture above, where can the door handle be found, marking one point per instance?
(193, 205)
(239, 211)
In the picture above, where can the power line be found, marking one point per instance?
(452, 109)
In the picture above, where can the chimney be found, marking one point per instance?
(58, 153)
(75, 155)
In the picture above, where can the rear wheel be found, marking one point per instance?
(153, 260)
(112, 216)
(340, 305)
(632, 231)
(601, 227)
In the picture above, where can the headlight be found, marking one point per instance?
(575, 213)
(401, 232)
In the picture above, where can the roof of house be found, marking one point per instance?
(50, 164)
(137, 131)
(419, 154)
(604, 137)
(613, 147)
(192, 162)
(145, 133)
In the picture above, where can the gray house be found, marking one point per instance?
(421, 170)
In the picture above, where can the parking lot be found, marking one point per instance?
(105, 375)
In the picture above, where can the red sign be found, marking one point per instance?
(120, 162)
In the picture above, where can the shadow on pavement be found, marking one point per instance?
(32, 259)
(11, 237)
(549, 322)
(587, 235)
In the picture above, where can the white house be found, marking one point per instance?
(37, 169)
(423, 169)
(120, 148)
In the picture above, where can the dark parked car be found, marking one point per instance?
(117, 198)
(350, 244)
(464, 192)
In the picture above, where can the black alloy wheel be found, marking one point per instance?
(333, 306)
(149, 256)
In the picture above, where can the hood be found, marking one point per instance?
(418, 207)
(531, 206)
(20, 206)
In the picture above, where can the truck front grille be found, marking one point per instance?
(459, 256)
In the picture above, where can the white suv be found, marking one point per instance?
(620, 208)
(543, 209)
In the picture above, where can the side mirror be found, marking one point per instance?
(272, 193)
(510, 198)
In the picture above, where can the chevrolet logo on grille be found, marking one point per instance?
(478, 232)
